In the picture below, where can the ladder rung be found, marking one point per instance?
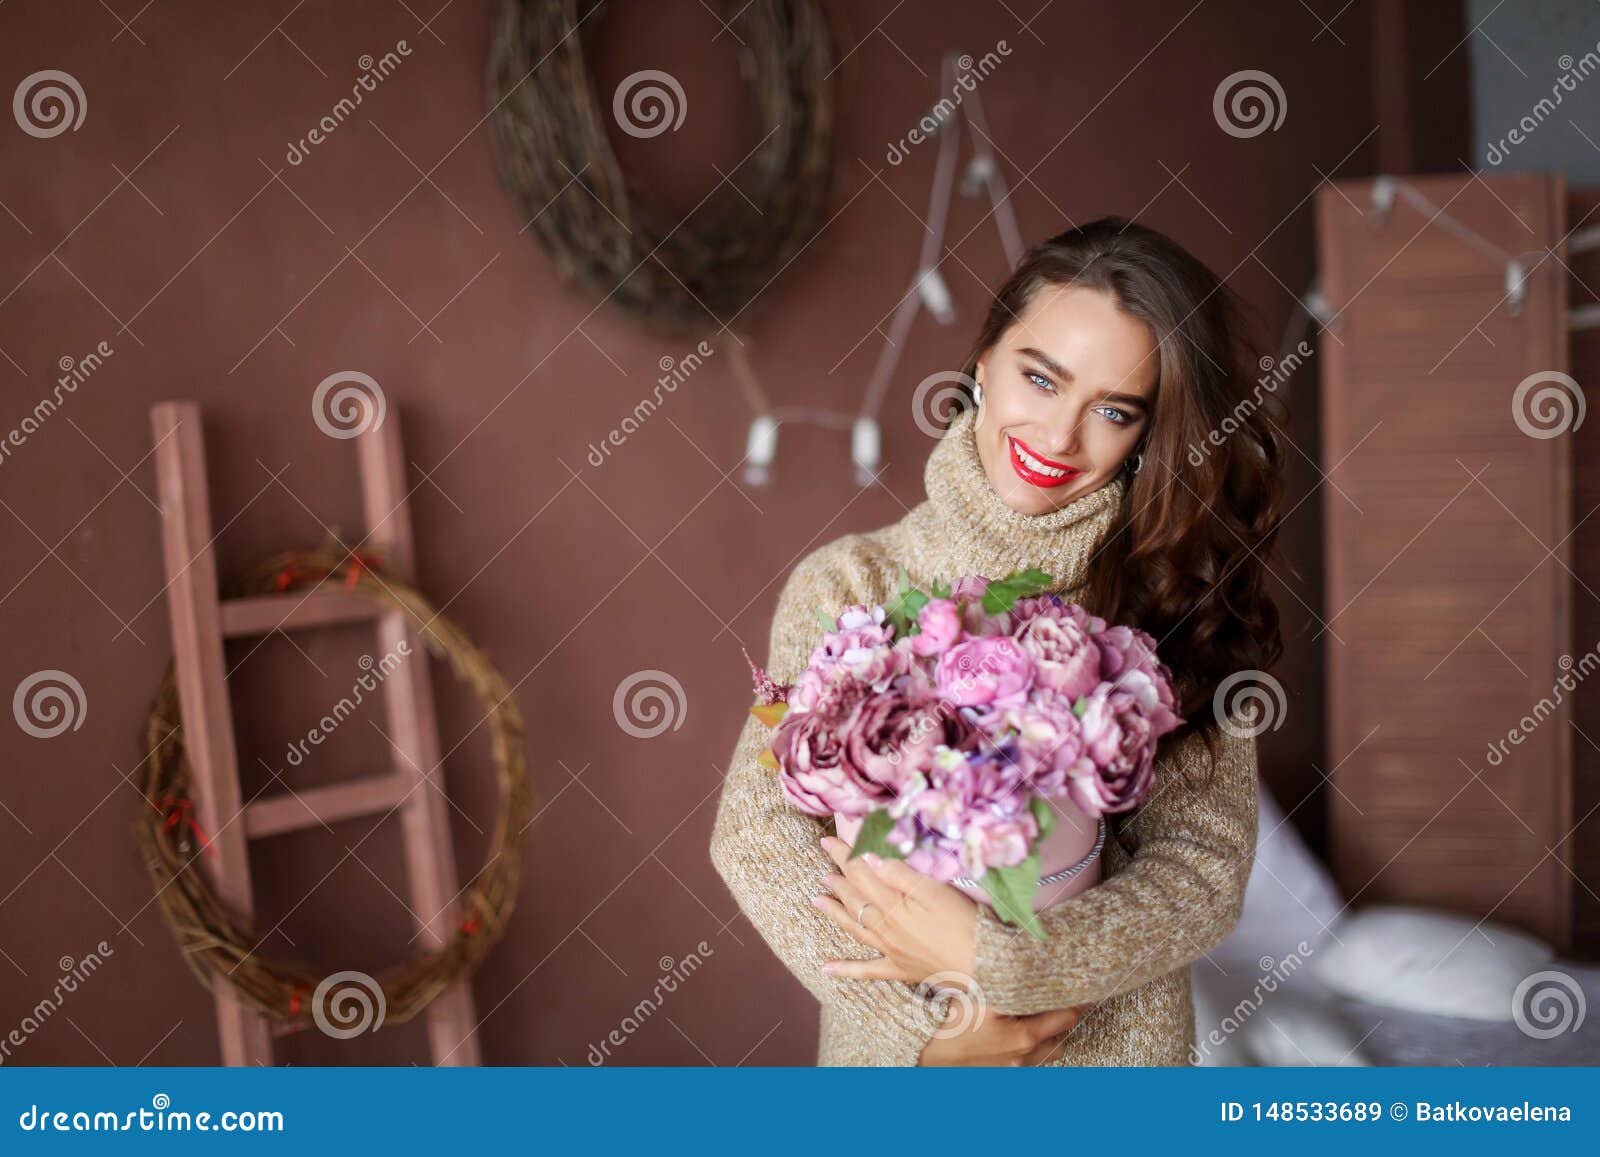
(262, 614)
(289, 812)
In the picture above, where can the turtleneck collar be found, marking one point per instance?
(972, 531)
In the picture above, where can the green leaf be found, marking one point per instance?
(1045, 814)
(874, 836)
(1002, 594)
(1080, 706)
(901, 612)
(1011, 892)
(941, 591)
(829, 623)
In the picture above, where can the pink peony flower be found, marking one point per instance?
(990, 672)
(1119, 740)
(891, 736)
(812, 769)
(1049, 741)
(1066, 657)
(940, 621)
(1123, 649)
(969, 586)
(968, 592)
(997, 842)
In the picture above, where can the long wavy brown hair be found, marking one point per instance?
(1187, 556)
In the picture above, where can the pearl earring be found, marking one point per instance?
(977, 393)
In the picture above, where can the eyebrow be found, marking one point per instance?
(1065, 374)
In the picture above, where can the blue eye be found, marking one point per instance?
(1044, 386)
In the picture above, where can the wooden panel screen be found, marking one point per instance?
(1583, 213)
(1449, 553)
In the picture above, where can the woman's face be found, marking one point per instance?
(1068, 392)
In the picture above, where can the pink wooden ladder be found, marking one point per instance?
(201, 620)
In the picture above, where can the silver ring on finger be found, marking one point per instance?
(861, 916)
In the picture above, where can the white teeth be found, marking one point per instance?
(1034, 464)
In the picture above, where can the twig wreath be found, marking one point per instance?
(554, 153)
(215, 943)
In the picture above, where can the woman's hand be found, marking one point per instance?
(923, 928)
(996, 1039)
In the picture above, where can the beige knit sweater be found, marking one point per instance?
(1173, 876)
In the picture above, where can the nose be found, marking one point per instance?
(1069, 435)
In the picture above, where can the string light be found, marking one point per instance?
(927, 291)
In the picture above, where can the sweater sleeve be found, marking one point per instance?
(769, 852)
(1179, 895)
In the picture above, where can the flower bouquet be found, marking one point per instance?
(981, 732)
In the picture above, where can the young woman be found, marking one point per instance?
(1115, 440)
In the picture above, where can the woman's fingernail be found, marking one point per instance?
(818, 901)
(872, 858)
(830, 970)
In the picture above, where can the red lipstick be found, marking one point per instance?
(1045, 479)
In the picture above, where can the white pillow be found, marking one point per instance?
(1290, 898)
(1426, 960)
(1296, 1030)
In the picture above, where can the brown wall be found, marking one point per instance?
(170, 226)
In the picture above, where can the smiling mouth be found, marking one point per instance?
(1037, 470)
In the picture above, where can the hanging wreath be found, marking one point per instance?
(215, 943)
(682, 274)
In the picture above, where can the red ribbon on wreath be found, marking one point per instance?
(180, 809)
(358, 563)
